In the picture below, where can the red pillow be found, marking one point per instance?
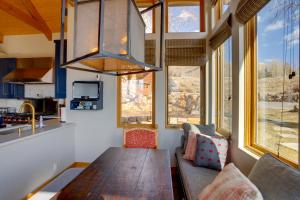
(190, 151)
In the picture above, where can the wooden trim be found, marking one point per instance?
(34, 20)
(119, 106)
(167, 16)
(74, 165)
(202, 16)
(1, 38)
(251, 94)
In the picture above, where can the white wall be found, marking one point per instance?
(29, 162)
(24, 46)
(97, 130)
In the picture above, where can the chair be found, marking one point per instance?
(140, 138)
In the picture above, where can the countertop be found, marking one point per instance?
(14, 135)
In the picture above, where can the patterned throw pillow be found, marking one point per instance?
(211, 151)
(230, 184)
(204, 129)
(190, 150)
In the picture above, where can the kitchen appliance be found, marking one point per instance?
(32, 71)
(110, 42)
(87, 95)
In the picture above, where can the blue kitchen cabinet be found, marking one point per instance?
(60, 73)
(9, 90)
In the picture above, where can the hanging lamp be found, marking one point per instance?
(109, 37)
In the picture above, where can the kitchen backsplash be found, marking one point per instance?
(11, 103)
(39, 90)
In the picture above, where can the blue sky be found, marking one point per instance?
(273, 32)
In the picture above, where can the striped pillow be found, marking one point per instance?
(230, 184)
(190, 151)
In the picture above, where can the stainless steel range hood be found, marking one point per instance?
(109, 37)
(32, 71)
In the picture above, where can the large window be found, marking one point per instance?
(149, 19)
(272, 80)
(136, 100)
(183, 16)
(224, 87)
(183, 95)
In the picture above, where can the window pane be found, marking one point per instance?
(183, 94)
(225, 94)
(184, 18)
(277, 58)
(148, 19)
(136, 99)
(225, 5)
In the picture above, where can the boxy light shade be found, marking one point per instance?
(109, 37)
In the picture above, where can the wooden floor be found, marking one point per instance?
(177, 188)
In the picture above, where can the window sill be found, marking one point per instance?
(251, 152)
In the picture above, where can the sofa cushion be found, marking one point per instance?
(190, 150)
(231, 184)
(211, 151)
(204, 129)
(194, 178)
(275, 179)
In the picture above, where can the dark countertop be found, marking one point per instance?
(14, 136)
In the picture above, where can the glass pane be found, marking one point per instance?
(183, 94)
(184, 18)
(136, 99)
(148, 18)
(225, 5)
(226, 86)
(277, 58)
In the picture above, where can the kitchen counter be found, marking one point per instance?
(29, 160)
(26, 133)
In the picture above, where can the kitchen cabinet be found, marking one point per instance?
(60, 73)
(9, 90)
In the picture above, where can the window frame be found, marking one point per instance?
(202, 99)
(119, 106)
(250, 88)
(219, 89)
(186, 3)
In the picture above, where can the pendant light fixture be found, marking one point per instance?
(109, 37)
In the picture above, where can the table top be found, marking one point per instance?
(121, 173)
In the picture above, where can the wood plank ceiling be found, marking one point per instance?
(21, 17)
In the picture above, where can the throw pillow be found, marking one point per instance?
(211, 151)
(190, 151)
(230, 184)
(204, 129)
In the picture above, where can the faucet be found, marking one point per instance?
(33, 114)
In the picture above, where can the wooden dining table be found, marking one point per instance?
(123, 174)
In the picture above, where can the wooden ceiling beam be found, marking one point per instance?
(34, 19)
(1, 38)
(36, 15)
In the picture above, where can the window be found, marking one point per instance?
(185, 17)
(183, 95)
(149, 20)
(136, 96)
(224, 87)
(225, 5)
(219, 9)
(272, 81)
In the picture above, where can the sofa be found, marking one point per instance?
(275, 179)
